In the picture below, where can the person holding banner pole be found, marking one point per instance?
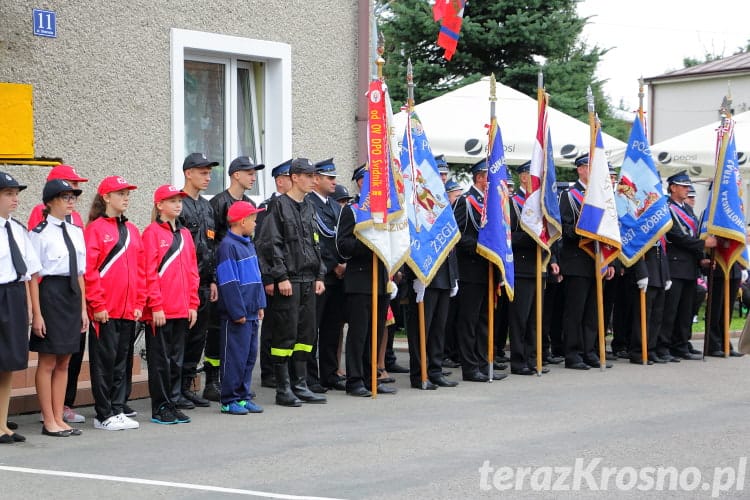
(685, 250)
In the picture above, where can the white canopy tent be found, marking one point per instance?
(695, 151)
(455, 125)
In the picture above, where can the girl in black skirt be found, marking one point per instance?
(18, 263)
(58, 304)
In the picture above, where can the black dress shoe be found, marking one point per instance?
(443, 382)
(657, 359)
(184, 403)
(386, 380)
(476, 376)
(317, 388)
(396, 368)
(11, 425)
(446, 373)
(523, 371)
(695, 351)
(716, 354)
(360, 392)
(622, 354)
(553, 360)
(577, 366)
(385, 389)
(732, 353)
(449, 363)
(497, 365)
(499, 376)
(428, 386)
(75, 432)
(17, 438)
(6, 439)
(338, 385)
(502, 359)
(59, 434)
(689, 356)
(639, 361)
(544, 370)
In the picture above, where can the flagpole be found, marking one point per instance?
(374, 319)
(420, 304)
(642, 292)
(490, 273)
(598, 260)
(538, 302)
(726, 116)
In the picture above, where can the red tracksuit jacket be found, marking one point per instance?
(171, 271)
(115, 269)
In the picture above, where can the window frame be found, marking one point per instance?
(277, 98)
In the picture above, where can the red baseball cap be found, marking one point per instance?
(66, 173)
(241, 209)
(114, 183)
(167, 191)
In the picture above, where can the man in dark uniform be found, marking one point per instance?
(329, 305)
(242, 176)
(198, 216)
(358, 291)
(716, 322)
(450, 347)
(651, 273)
(471, 321)
(292, 271)
(580, 324)
(436, 297)
(522, 311)
(358, 177)
(283, 182)
(442, 166)
(684, 253)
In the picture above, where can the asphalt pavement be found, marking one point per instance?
(513, 438)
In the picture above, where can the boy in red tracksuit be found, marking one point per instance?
(115, 297)
(171, 304)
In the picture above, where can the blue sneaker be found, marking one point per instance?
(251, 407)
(234, 408)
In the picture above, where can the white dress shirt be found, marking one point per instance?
(7, 271)
(50, 247)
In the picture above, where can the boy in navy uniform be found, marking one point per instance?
(241, 303)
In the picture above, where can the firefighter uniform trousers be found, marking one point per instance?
(294, 323)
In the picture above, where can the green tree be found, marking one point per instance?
(512, 38)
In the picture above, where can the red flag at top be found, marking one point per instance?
(451, 12)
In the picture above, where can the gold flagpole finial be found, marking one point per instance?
(590, 100)
(381, 50)
(493, 88)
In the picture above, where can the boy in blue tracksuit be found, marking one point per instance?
(241, 302)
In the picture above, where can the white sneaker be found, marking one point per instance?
(70, 416)
(113, 423)
(127, 422)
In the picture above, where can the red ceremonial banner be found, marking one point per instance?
(377, 152)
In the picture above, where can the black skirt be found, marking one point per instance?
(61, 310)
(14, 327)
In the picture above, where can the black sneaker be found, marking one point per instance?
(165, 416)
(129, 412)
(181, 417)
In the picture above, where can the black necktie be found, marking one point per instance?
(15, 253)
(72, 261)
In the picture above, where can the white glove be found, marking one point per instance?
(668, 285)
(419, 288)
(454, 289)
(642, 283)
(744, 275)
(393, 289)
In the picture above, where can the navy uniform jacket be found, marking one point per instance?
(358, 275)
(573, 260)
(472, 267)
(326, 218)
(524, 246)
(653, 265)
(684, 247)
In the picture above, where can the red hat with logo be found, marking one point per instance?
(167, 191)
(114, 183)
(66, 173)
(241, 209)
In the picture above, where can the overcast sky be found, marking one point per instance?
(649, 38)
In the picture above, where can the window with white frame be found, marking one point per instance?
(231, 97)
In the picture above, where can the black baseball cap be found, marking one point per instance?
(55, 188)
(244, 163)
(8, 182)
(196, 160)
(302, 166)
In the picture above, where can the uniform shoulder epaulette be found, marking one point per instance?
(19, 223)
(39, 227)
